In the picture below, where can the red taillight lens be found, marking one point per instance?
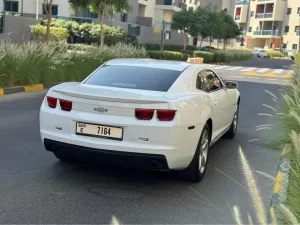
(52, 102)
(144, 114)
(65, 105)
(165, 115)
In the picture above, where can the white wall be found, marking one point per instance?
(64, 8)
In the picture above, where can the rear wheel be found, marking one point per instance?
(233, 128)
(196, 170)
(64, 157)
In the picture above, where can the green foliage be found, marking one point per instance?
(167, 55)
(169, 47)
(207, 56)
(89, 33)
(48, 63)
(273, 54)
(224, 56)
(56, 33)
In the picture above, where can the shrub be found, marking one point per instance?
(207, 56)
(167, 55)
(169, 47)
(228, 56)
(56, 33)
(48, 63)
(190, 53)
(89, 33)
(273, 54)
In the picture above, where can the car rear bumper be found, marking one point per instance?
(125, 159)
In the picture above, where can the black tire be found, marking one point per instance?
(233, 128)
(65, 157)
(193, 172)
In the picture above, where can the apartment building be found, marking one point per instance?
(269, 24)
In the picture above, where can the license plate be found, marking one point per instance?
(101, 131)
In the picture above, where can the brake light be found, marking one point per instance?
(144, 114)
(65, 105)
(52, 102)
(165, 115)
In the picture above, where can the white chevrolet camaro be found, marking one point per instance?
(141, 113)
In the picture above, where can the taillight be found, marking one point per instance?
(165, 115)
(65, 105)
(52, 102)
(144, 114)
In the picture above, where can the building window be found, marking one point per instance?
(87, 13)
(134, 29)
(195, 41)
(225, 10)
(54, 10)
(287, 29)
(252, 13)
(284, 46)
(11, 6)
(250, 29)
(124, 17)
(289, 11)
(1, 24)
(297, 28)
(167, 35)
(295, 47)
(298, 10)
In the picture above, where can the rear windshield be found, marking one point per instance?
(134, 77)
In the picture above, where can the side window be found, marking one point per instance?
(200, 84)
(212, 81)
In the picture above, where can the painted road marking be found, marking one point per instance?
(278, 71)
(263, 70)
(221, 67)
(249, 69)
(236, 68)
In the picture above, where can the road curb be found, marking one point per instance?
(281, 182)
(28, 88)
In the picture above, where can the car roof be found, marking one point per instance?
(154, 63)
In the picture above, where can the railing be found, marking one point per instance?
(266, 32)
(263, 15)
(242, 2)
(237, 17)
(264, 0)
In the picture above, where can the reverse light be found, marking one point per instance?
(166, 115)
(52, 102)
(144, 114)
(65, 105)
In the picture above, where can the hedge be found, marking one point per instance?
(168, 47)
(207, 56)
(167, 55)
(88, 33)
(273, 54)
(56, 33)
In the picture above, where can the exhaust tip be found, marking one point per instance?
(155, 165)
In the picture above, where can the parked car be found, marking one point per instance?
(141, 113)
(260, 53)
(207, 48)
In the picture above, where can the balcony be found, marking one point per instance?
(172, 5)
(266, 32)
(237, 18)
(143, 2)
(264, 0)
(242, 2)
(263, 15)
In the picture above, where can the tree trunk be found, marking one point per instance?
(210, 40)
(201, 41)
(48, 9)
(101, 15)
(184, 41)
(224, 44)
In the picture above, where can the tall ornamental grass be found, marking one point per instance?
(48, 63)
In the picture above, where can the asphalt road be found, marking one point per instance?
(266, 63)
(36, 188)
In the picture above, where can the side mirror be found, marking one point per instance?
(231, 85)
